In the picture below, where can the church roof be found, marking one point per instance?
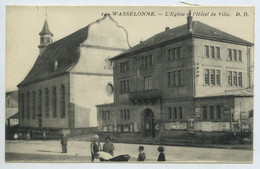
(45, 29)
(65, 51)
(199, 30)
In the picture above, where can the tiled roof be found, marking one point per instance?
(65, 51)
(45, 29)
(199, 30)
(12, 94)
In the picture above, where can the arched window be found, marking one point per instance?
(39, 103)
(62, 101)
(46, 106)
(22, 105)
(28, 105)
(54, 102)
(34, 104)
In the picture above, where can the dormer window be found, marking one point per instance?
(56, 65)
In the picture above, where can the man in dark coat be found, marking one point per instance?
(64, 142)
(161, 156)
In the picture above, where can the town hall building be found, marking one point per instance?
(70, 77)
(193, 78)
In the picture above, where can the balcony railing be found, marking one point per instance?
(145, 95)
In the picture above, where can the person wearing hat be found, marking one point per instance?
(95, 147)
(161, 156)
(108, 146)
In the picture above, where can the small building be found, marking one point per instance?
(11, 108)
(71, 76)
(192, 78)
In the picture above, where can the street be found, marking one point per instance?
(79, 151)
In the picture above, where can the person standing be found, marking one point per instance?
(15, 137)
(161, 156)
(28, 136)
(20, 137)
(44, 136)
(95, 147)
(141, 156)
(108, 146)
(64, 142)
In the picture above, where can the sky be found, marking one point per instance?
(23, 24)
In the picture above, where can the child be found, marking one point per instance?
(141, 156)
(161, 155)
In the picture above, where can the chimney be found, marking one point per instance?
(167, 28)
(189, 22)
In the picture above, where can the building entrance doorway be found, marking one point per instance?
(148, 127)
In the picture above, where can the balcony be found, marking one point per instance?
(146, 96)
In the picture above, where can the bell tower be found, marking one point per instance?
(45, 37)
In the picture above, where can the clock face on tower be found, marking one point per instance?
(109, 89)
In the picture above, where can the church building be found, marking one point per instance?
(70, 77)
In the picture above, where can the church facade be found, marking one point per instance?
(71, 76)
(190, 79)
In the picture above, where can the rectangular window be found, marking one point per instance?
(176, 75)
(229, 78)
(170, 79)
(148, 83)
(125, 114)
(170, 113)
(240, 55)
(240, 79)
(175, 113)
(124, 86)
(212, 77)
(179, 52)
(206, 50)
(218, 52)
(174, 55)
(206, 75)
(127, 66)
(180, 113)
(150, 60)
(212, 51)
(169, 54)
(229, 54)
(235, 78)
(180, 77)
(205, 112)
(218, 77)
(235, 54)
(143, 61)
(219, 112)
(124, 66)
(146, 61)
(211, 108)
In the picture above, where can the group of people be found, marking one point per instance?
(95, 147)
(27, 136)
(142, 155)
(108, 147)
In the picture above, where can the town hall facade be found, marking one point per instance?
(189, 79)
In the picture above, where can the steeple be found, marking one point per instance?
(45, 37)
